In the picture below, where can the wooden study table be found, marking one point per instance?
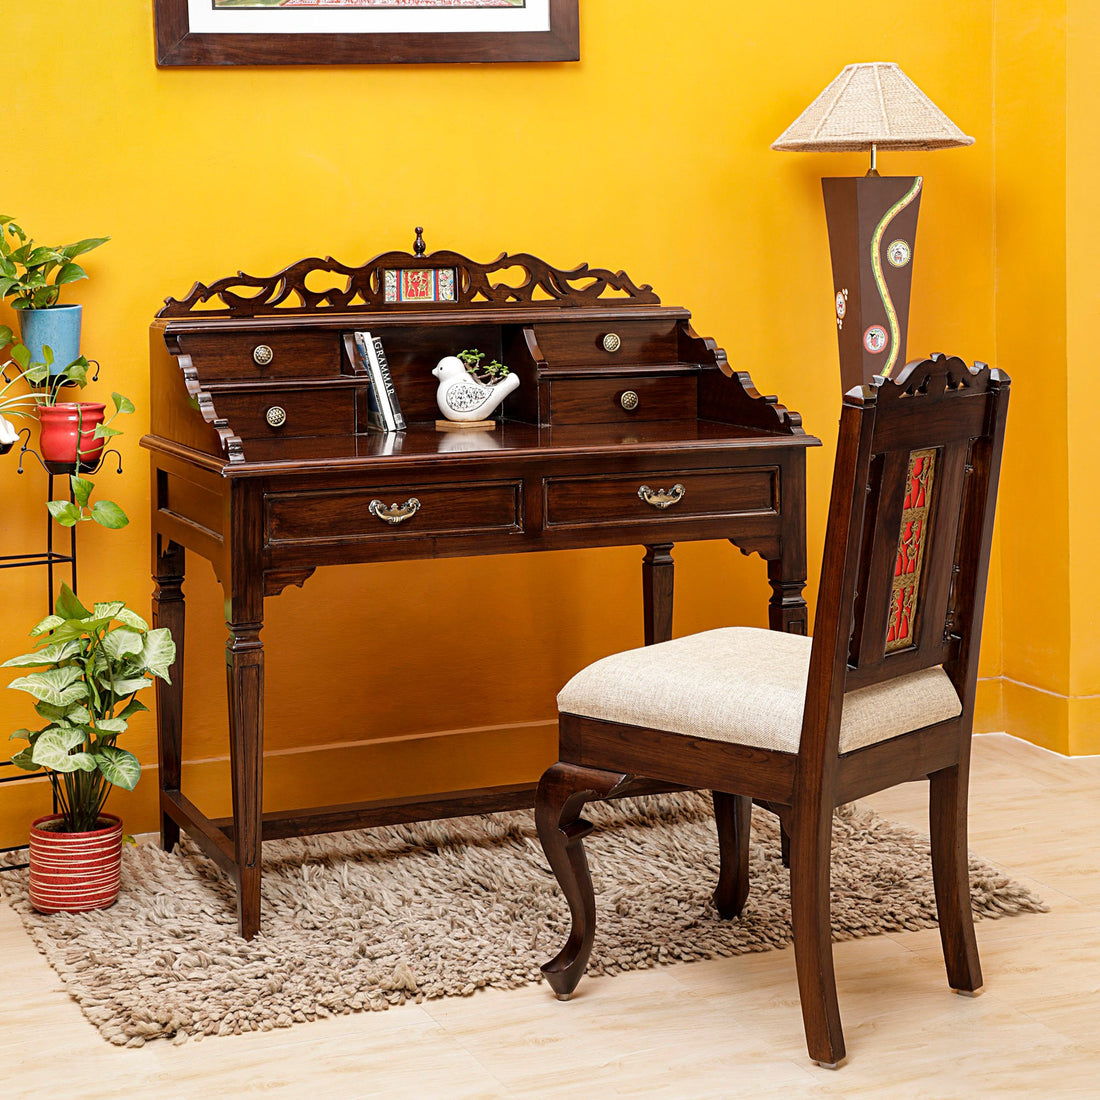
(627, 429)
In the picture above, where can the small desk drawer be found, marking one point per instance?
(254, 412)
(621, 398)
(667, 495)
(398, 511)
(608, 343)
(244, 356)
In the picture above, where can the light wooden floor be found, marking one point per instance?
(727, 1028)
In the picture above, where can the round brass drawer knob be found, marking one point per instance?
(611, 342)
(629, 400)
(275, 416)
(262, 355)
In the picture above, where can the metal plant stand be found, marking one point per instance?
(54, 558)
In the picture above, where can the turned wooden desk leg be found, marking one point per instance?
(787, 572)
(787, 607)
(168, 611)
(245, 677)
(657, 577)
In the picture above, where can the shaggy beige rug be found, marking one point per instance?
(357, 921)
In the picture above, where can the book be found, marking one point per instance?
(360, 363)
(379, 411)
(380, 365)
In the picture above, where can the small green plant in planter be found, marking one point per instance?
(31, 274)
(80, 423)
(486, 373)
(92, 663)
(89, 666)
(40, 386)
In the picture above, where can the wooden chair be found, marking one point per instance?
(882, 694)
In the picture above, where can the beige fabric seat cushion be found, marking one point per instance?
(746, 686)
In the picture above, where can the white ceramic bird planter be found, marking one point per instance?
(462, 398)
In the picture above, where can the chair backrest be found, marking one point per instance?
(908, 539)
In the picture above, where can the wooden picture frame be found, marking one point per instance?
(178, 42)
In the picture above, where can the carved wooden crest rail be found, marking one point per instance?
(447, 278)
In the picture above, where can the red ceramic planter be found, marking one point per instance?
(75, 872)
(62, 426)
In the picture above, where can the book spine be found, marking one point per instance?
(377, 415)
(387, 383)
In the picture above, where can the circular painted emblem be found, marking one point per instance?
(898, 253)
(841, 304)
(874, 339)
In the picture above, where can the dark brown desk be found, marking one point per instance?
(628, 428)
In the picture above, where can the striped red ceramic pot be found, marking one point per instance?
(73, 872)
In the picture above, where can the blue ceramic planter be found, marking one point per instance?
(55, 327)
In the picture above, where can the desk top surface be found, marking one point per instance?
(509, 440)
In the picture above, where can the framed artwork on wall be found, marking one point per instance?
(364, 32)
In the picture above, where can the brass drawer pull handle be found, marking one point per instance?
(611, 342)
(262, 355)
(275, 416)
(661, 498)
(395, 513)
(629, 400)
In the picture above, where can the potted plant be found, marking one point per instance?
(90, 665)
(32, 275)
(73, 432)
(486, 373)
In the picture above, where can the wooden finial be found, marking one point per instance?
(418, 244)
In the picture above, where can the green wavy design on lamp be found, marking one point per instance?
(880, 279)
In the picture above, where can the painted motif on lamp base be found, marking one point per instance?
(872, 234)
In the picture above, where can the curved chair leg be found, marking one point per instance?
(811, 838)
(950, 874)
(732, 815)
(562, 792)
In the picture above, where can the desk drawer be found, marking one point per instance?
(672, 495)
(306, 411)
(351, 515)
(594, 342)
(227, 356)
(622, 398)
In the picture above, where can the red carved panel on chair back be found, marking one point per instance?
(919, 481)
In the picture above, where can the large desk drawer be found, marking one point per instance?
(667, 494)
(397, 511)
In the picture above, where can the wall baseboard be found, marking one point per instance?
(324, 775)
(1065, 724)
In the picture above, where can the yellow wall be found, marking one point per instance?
(1047, 133)
(650, 154)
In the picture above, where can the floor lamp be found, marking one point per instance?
(872, 219)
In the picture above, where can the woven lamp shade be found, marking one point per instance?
(872, 103)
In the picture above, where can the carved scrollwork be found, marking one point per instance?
(940, 377)
(362, 289)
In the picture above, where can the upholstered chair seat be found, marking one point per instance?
(747, 686)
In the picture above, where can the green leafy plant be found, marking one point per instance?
(81, 509)
(31, 274)
(44, 386)
(474, 362)
(91, 665)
